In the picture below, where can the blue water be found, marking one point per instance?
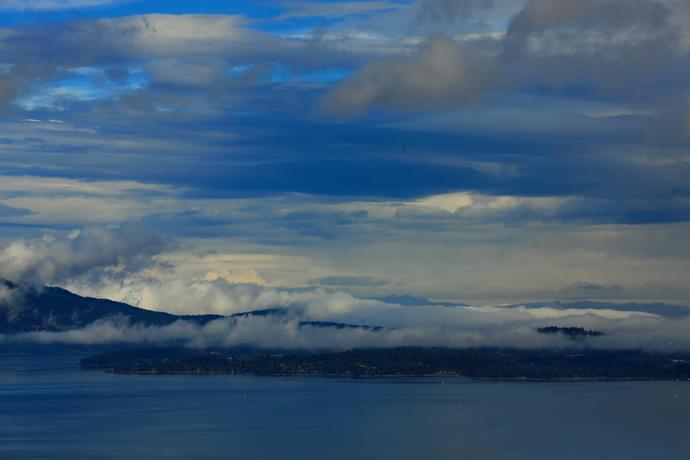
(50, 409)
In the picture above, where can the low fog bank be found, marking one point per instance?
(428, 327)
(124, 264)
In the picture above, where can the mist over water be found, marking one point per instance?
(52, 409)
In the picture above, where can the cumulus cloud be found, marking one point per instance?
(219, 296)
(624, 48)
(442, 75)
(62, 257)
(613, 47)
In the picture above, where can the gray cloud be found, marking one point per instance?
(428, 326)
(63, 257)
(611, 47)
(588, 290)
(636, 50)
(539, 16)
(442, 75)
(352, 281)
(10, 211)
(307, 9)
(180, 49)
(52, 5)
(451, 12)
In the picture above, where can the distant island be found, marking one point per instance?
(574, 333)
(483, 363)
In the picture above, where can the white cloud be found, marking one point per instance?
(218, 296)
(59, 258)
(71, 202)
(33, 185)
(409, 326)
(49, 5)
(174, 35)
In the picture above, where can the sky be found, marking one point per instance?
(196, 156)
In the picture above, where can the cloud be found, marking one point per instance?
(604, 48)
(55, 259)
(108, 263)
(539, 16)
(187, 49)
(454, 12)
(351, 281)
(8, 293)
(219, 296)
(52, 5)
(10, 211)
(610, 47)
(306, 9)
(588, 290)
(112, 331)
(427, 326)
(545, 181)
(442, 75)
(8, 89)
(186, 72)
(111, 41)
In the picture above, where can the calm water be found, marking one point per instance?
(50, 409)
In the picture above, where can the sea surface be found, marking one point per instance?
(51, 409)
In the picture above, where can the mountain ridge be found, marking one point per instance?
(54, 309)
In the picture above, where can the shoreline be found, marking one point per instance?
(397, 376)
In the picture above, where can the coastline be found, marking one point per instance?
(395, 376)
